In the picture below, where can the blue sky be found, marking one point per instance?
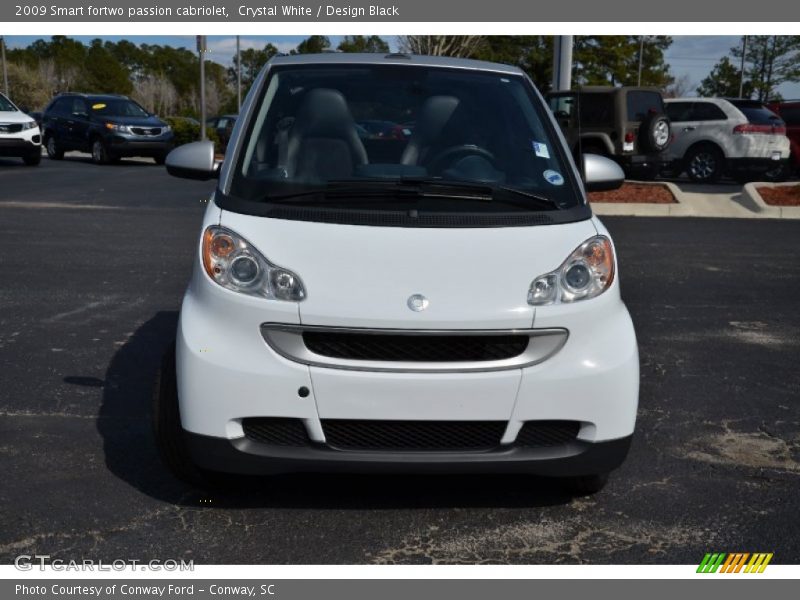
(689, 56)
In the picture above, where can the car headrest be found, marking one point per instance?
(434, 115)
(324, 113)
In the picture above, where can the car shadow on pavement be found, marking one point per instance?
(124, 424)
(122, 162)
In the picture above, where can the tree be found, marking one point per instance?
(723, 81)
(253, 60)
(442, 45)
(531, 53)
(614, 60)
(27, 87)
(313, 45)
(679, 87)
(360, 43)
(104, 73)
(770, 60)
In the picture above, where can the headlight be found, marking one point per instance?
(165, 128)
(117, 127)
(233, 262)
(29, 125)
(587, 272)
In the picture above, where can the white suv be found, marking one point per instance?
(19, 134)
(716, 137)
(444, 301)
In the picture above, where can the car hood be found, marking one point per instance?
(358, 276)
(15, 116)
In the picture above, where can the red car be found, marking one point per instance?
(789, 111)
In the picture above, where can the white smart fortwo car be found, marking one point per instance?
(399, 271)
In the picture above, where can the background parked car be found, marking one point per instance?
(222, 126)
(19, 134)
(108, 126)
(715, 136)
(789, 111)
(627, 124)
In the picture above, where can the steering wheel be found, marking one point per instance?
(446, 156)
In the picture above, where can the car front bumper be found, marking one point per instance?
(24, 143)
(247, 457)
(228, 373)
(141, 146)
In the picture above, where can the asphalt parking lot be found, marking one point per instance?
(94, 261)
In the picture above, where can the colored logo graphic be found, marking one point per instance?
(735, 562)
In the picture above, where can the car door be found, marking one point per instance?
(714, 125)
(55, 120)
(684, 128)
(78, 124)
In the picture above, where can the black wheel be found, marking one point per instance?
(32, 159)
(160, 159)
(654, 133)
(54, 149)
(704, 164)
(585, 485)
(100, 154)
(167, 424)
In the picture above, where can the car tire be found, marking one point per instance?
(704, 164)
(169, 435)
(160, 159)
(33, 159)
(100, 154)
(585, 485)
(54, 149)
(655, 133)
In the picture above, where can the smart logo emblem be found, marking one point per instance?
(417, 302)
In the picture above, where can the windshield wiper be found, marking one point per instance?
(337, 189)
(413, 189)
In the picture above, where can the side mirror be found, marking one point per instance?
(601, 174)
(193, 161)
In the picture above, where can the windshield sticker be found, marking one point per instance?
(553, 177)
(98, 106)
(540, 150)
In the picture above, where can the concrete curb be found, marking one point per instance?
(746, 204)
(767, 210)
(642, 209)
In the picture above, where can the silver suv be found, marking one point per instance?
(715, 137)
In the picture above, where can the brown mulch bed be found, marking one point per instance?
(785, 195)
(647, 193)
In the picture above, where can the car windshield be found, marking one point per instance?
(6, 105)
(449, 139)
(118, 108)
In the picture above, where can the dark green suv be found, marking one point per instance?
(627, 124)
(107, 126)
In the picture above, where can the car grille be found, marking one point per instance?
(399, 436)
(440, 436)
(10, 127)
(150, 131)
(415, 348)
(276, 432)
(538, 434)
